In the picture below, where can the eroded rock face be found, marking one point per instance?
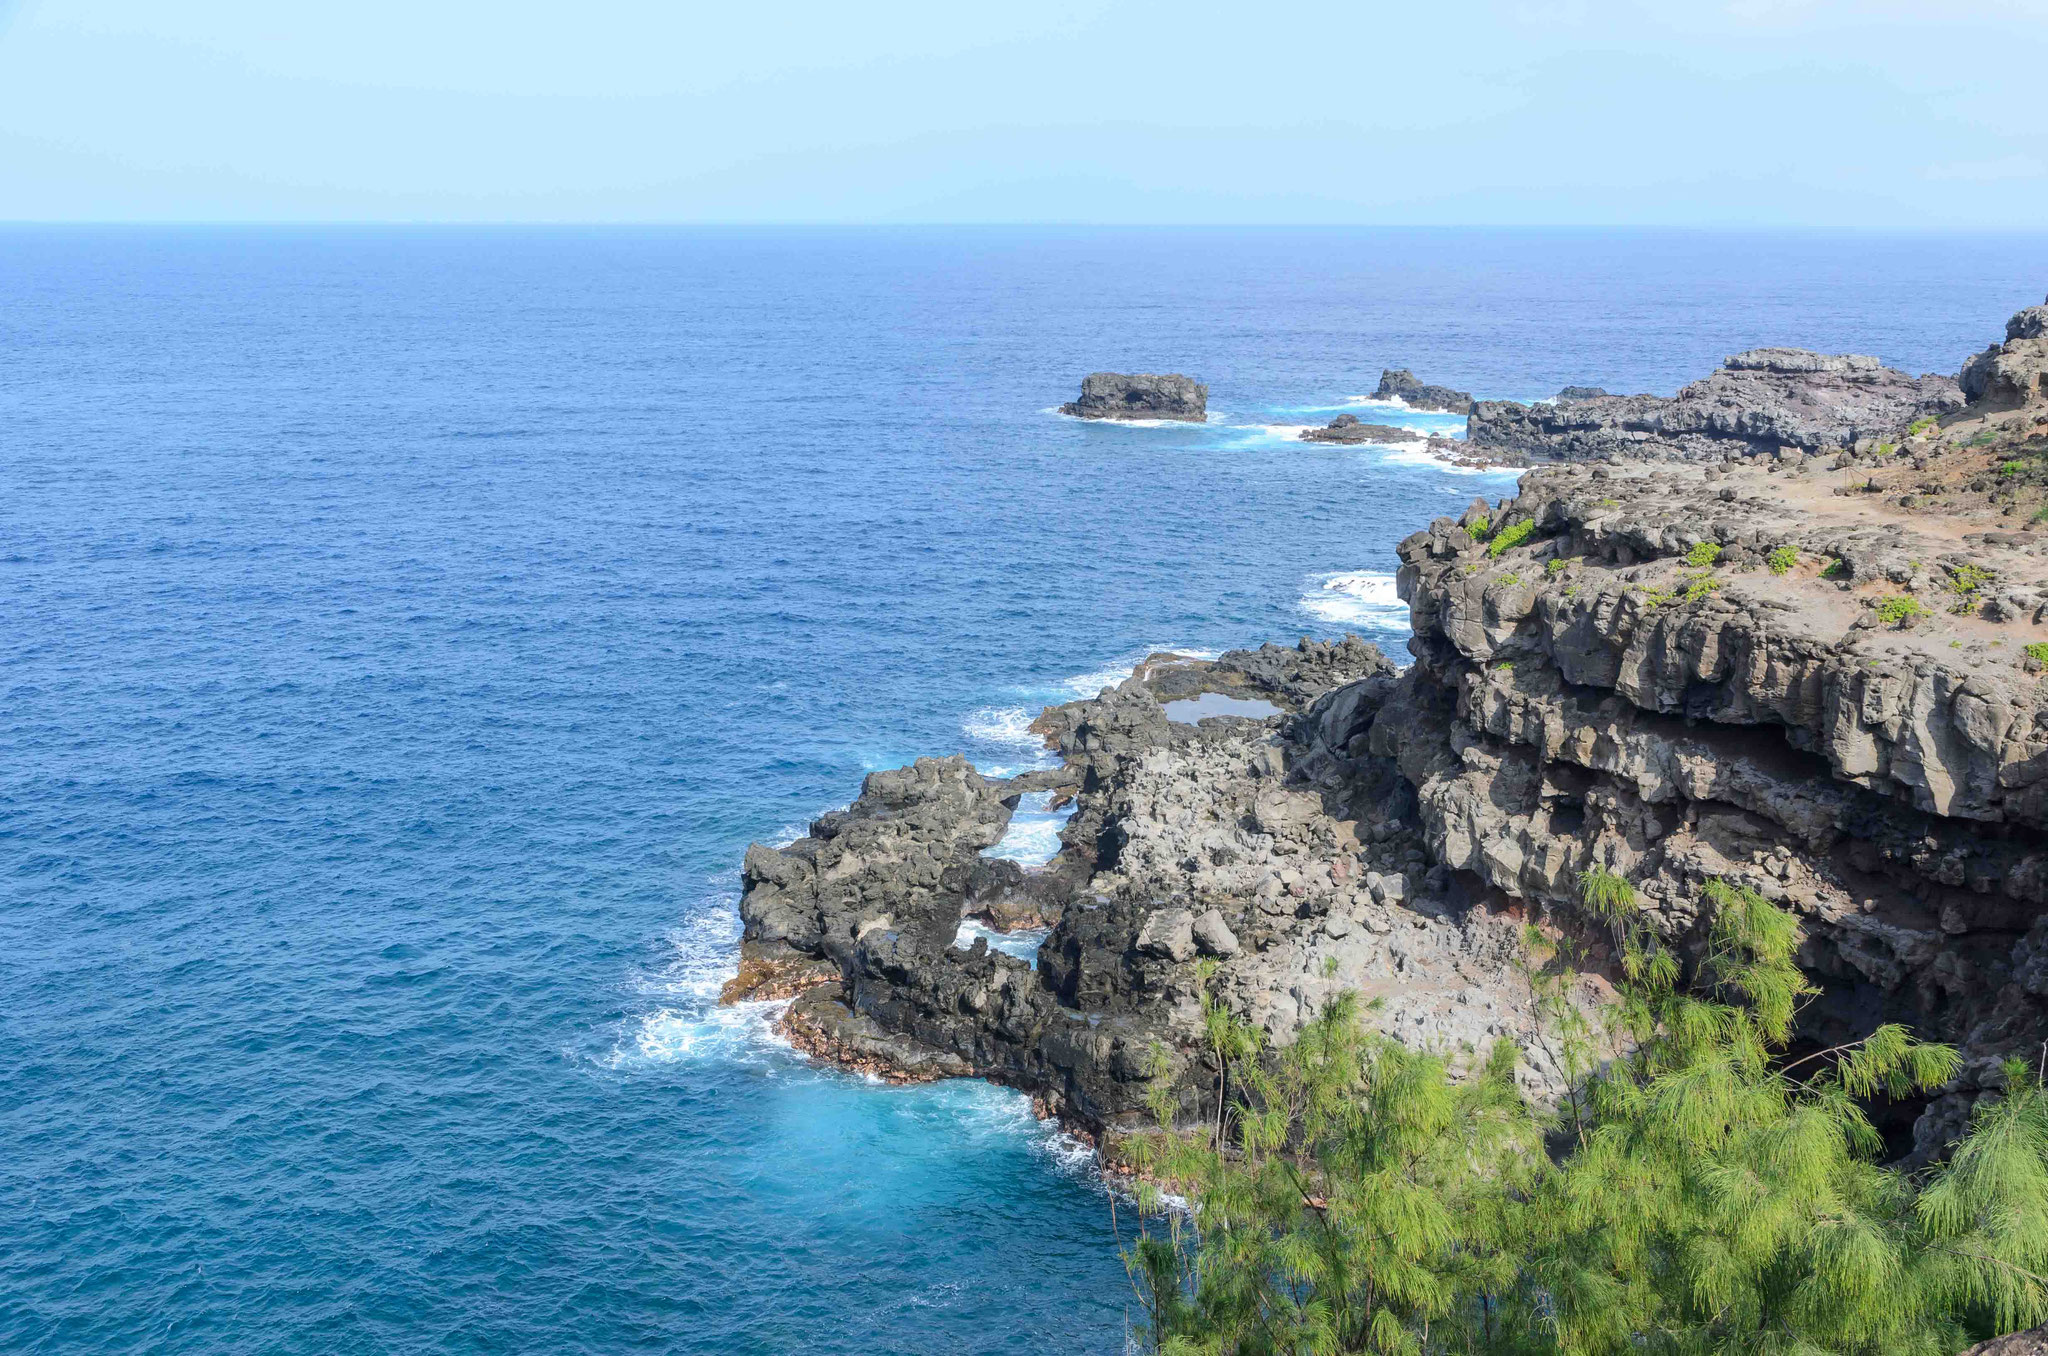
(1589, 698)
(1398, 383)
(2016, 371)
(1140, 395)
(1759, 402)
(897, 860)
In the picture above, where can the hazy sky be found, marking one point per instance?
(1878, 113)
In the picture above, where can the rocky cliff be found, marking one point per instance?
(1140, 395)
(1760, 401)
(1809, 673)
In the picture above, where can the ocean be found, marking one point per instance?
(403, 632)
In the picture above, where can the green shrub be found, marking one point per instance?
(1703, 555)
(1898, 609)
(1509, 580)
(1558, 566)
(1509, 537)
(1835, 569)
(1705, 1190)
(1782, 559)
(1921, 426)
(1966, 582)
(1481, 529)
(2038, 652)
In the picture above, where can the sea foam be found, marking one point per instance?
(1355, 598)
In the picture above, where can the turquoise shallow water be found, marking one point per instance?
(406, 631)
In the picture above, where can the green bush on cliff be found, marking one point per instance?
(1701, 1190)
(1703, 555)
(1898, 609)
(1782, 559)
(1509, 537)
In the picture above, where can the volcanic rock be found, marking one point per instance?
(1760, 401)
(2016, 371)
(1140, 395)
(1346, 428)
(1398, 383)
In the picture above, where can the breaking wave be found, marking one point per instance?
(1356, 598)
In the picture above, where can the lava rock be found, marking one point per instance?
(1140, 395)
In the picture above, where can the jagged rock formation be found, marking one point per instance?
(1236, 841)
(1571, 393)
(1398, 383)
(1759, 402)
(2015, 371)
(1346, 428)
(1756, 670)
(1140, 395)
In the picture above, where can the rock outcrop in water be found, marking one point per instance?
(1765, 671)
(1760, 401)
(1140, 395)
(1398, 383)
(1346, 428)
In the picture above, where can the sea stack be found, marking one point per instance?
(1141, 395)
(1398, 383)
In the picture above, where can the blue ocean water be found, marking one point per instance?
(405, 631)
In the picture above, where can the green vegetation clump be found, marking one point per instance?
(2014, 467)
(1886, 449)
(1920, 426)
(1698, 586)
(1606, 503)
(1510, 579)
(1782, 559)
(1835, 569)
(1898, 609)
(1703, 555)
(1697, 1190)
(2038, 651)
(1481, 529)
(1967, 582)
(1558, 566)
(1509, 537)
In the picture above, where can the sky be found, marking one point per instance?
(1878, 114)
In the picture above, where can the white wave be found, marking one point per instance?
(1023, 943)
(1356, 598)
(684, 1022)
(1418, 457)
(1288, 432)
(1215, 416)
(1092, 683)
(1030, 842)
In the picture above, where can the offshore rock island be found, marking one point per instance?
(1788, 629)
(1140, 395)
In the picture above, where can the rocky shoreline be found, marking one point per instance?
(1706, 659)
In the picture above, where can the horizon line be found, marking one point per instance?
(1708, 228)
